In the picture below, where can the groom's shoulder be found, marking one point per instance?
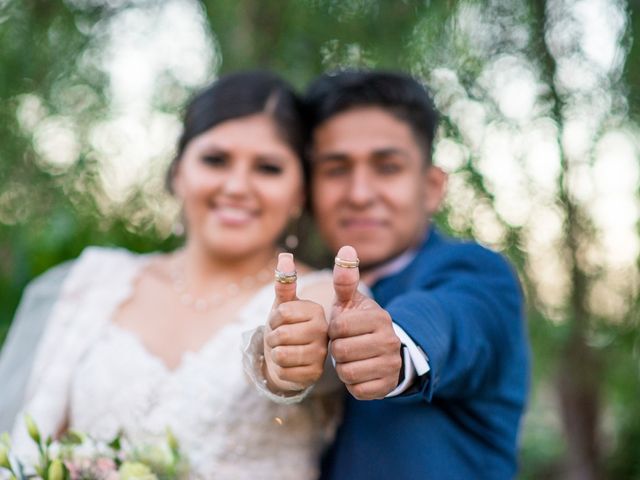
(454, 252)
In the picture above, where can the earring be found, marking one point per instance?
(291, 240)
(178, 228)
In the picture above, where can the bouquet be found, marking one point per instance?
(76, 456)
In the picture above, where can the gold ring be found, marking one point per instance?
(347, 263)
(285, 277)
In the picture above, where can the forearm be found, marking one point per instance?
(460, 335)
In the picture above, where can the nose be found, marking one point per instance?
(237, 182)
(362, 188)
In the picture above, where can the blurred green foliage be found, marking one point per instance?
(584, 415)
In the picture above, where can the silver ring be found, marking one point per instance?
(347, 263)
(285, 277)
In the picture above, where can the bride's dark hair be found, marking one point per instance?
(239, 95)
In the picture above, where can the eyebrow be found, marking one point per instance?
(390, 151)
(271, 157)
(219, 150)
(344, 157)
(329, 157)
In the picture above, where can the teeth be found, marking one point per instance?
(234, 213)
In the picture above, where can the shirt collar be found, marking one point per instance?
(392, 267)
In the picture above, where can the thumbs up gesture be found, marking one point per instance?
(295, 339)
(363, 342)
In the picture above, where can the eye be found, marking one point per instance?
(388, 167)
(215, 160)
(269, 168)
(333, 169)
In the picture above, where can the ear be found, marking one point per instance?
(296, 211)
(435, 189)
(298, 204)
(177, 183)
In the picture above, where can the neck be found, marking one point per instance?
(204, 268)
(370, 274)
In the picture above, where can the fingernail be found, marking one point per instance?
(348, 253)
(286, 263)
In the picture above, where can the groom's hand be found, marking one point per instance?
(363, 342)
(295, 340)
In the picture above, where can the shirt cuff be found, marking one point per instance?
(414, 359)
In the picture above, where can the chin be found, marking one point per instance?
(228, 248)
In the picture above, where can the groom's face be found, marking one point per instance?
(371, 187)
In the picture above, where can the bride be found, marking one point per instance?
(142, 343)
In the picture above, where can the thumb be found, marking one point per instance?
(285, 282)
(346, 277)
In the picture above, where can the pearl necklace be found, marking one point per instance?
(231, 290)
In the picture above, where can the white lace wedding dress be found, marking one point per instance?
(101, 378)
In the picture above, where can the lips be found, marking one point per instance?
(362, 223)
(233, 215)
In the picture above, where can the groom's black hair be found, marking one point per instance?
(400, 94)
(240, 95)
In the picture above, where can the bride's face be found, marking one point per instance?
(240, 185)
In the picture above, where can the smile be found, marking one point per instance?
(233, 216)
(362, 223)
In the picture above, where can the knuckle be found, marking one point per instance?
(340, 350)
(338, 327)
(321, 339)
(271, 339)
(391, 384)
(287, 375)
(317, 329)
(274, 319)
(382, 320)
(347, 373)
(322, 352)
(359, 391)
(278, 355)
(283, 310)
(396, 363)
(311, 374)
(316, 374)
(277, 370)
(393, 342)
(317, 310)
(318, 353)
(321, 326)
(282, 334)
(385, 317)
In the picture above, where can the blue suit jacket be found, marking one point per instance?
(462, 304)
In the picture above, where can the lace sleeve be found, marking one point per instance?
(18, 353)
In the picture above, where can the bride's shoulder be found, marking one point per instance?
(49, 281)
(102, 264)
(102, 255)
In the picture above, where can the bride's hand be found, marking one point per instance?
(295, 340)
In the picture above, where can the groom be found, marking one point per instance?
(443, 347)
